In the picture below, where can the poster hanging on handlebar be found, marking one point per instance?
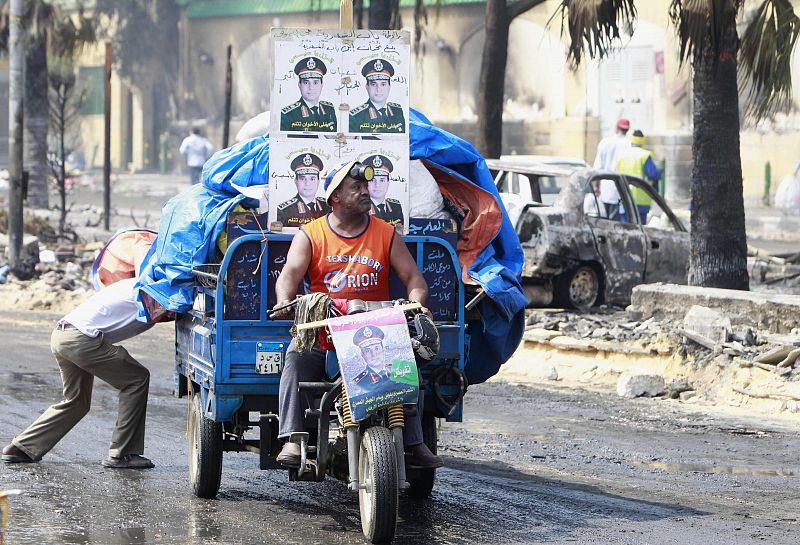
(337, 96)
(376, 360)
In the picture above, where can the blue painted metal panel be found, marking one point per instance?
(219, 354)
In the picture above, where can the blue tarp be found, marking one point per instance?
(192, 220)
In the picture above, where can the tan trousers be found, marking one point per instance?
(82, 358)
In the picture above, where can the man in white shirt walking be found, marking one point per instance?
(609, 150)
(197, 150)
(83, 344)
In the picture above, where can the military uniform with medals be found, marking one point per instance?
(368, 117)
(295, 212)
(390, 210)
(299, 116)
(369, 377)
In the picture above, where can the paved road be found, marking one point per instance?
(527, 466)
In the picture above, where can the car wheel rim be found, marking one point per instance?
(583, 288)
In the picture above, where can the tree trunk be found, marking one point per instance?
(718, 239)
(62, 159)
(492, 82)
(36, 119)
(16, 60)
(380, 14)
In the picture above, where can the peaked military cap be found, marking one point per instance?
(310, 67)
(369, 334)
(380, 163)
(306, 163)
(378, 69)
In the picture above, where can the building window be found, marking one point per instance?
(90, 79)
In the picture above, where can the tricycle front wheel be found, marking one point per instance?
(377, 479)
(205, 452)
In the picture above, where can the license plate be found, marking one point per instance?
(268, 358)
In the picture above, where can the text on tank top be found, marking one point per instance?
(350, 267)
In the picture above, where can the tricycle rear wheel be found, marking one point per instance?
(378, 486)
(205, 452)
(421, 484)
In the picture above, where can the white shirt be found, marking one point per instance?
(609, 150)
(609, 194)
(111, 311)
(593, 208)
(196, 149)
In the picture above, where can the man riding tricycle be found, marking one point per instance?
(258, 381)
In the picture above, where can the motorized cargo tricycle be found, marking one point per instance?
(229, 355)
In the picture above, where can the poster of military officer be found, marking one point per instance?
(384, 207)
(301, 62)
(309, 113)
(379, 114)
(300, 202)
(376, 359)
(389, 188)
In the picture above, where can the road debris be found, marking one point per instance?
(631, 386)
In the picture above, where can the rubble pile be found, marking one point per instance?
(774, 273)
(60, 276)
(704, 345)
(605, 328)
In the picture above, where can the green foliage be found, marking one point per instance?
(707, 32)
(594, 26)
(766, 58)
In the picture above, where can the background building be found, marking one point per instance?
(549, 108)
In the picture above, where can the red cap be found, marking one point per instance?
(623, 124)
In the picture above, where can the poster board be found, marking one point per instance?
(338, 96)
(376, 360)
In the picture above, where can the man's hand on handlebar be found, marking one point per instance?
(423, 309)
(282, 310)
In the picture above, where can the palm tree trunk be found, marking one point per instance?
(380, 14)
(718, 239)
(36, 119)
(492, 82)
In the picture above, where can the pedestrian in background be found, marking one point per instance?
(608, 151)
(638, 161)
(196, 149)
(83, 344)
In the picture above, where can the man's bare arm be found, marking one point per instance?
(406, 269)
(297, 261)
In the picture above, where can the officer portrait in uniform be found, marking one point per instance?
(369, 339)
(305, 205)
(309, 113)
(378, 115)
(388, 209)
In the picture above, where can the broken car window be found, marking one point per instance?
(592, 206)
(658, 218)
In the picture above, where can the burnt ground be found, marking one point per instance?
(528, 465)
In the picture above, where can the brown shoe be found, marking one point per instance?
(420, 456)
(289, 455)
(129, 461)
(12, 454)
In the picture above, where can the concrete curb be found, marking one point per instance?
(776, 313)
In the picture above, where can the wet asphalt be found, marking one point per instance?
(528, 465)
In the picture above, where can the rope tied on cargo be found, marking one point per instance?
(312, 307)
(263, 241)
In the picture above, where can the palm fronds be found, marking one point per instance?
(704, 26)
(594, 26)
(766, 56)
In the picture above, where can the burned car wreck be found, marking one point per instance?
(581, 251)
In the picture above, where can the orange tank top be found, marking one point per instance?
(350, 267)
